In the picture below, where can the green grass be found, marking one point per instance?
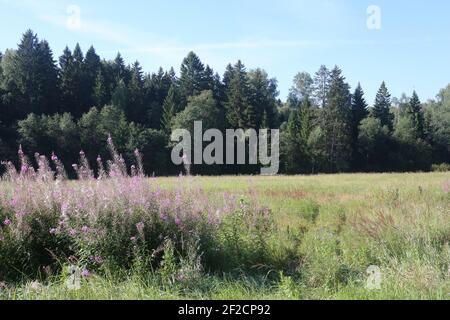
(329, 230)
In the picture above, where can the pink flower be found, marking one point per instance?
(85, 229)
(53, 231)
(446, 187)
(140, 227)
(7, 222)
(86, 273)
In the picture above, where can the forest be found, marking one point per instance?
(74, 103)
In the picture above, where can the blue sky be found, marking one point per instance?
(409, 52)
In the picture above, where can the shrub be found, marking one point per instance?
(443, 167)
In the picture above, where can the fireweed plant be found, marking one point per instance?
(118, 219)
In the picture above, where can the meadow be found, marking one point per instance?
(246, 237)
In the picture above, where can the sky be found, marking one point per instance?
(405, 43)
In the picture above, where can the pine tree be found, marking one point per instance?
(381, 109)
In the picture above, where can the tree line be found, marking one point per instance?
(74, 103)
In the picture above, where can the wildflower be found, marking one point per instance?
(24, 168)
(140, 227)
(72, 232)
(97, 259)
(53, 231)
(446, 187)
(64, 208)
(35, 286)
(85, 229)
(178, 221)
(133, 239)
(86, 273)
(7, 222)
(54, 157)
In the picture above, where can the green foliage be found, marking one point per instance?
(336, 123)
(169, 111)
(359, 113)
(322, 137)
(443, 167)
(200, 108)
(381, 108)
(373, 144)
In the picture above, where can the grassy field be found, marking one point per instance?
(327, 231)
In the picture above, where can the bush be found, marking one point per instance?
(443, 167)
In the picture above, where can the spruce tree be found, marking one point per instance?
(239, 111)
(75, 94)
(382, 107)
(169, 110)
(336, 123)
(34, 74)
(293, 148)
(92, 66)
(359, 113)
(321, 86)
(416, 114)
(263, 94)
(119, 69)
(134, 109)
(101, 94)
(192, 77)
